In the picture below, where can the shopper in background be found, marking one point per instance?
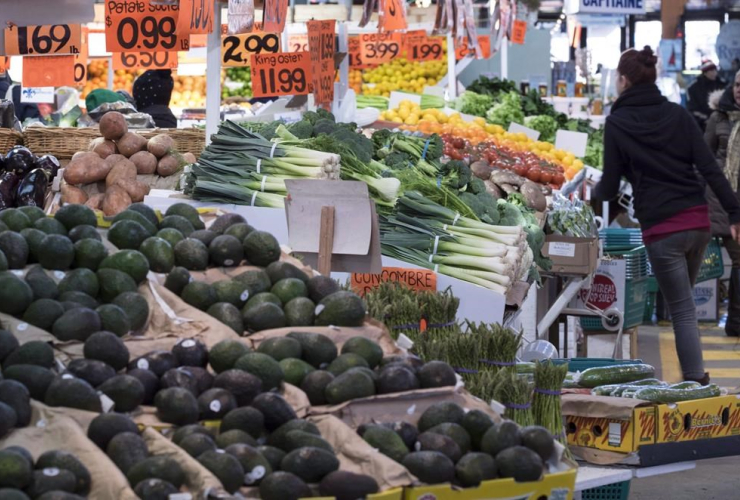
(699, 91)
(12, 92)
(723, 137)
(152, 93)
(659, 148)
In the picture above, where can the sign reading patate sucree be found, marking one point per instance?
(611, 6)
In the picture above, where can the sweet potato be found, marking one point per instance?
(160, 145)
(189, 158)
(168, 165)
(135, 189)
(95, 201)
(103, 147)
(116, 200)
(78, 155)
(111, 161)
(87, 168)
(113, 125)
(73, 195)
(146, 163)
(124, 169)
(130, 144)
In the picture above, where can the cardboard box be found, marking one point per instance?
(572, 255)
(612, 434)
(701, 419)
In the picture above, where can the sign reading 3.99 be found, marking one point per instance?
(138, 26)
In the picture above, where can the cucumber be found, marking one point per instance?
(619, 374)
(617, 392)
(630, 393)
(569, 382)
(685, 385)
(668, 395)
(606, 390)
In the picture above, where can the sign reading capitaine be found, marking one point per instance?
(608, 6)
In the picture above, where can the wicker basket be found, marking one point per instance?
(187, 140)
(61, 142)
(9, 138)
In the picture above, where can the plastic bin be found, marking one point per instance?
(712, 266)
(616, 491)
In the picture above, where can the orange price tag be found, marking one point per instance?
(236, 50)
(225, 28)
(81, 59)
(198, 41)
(354, 47)
(144, 60)
(518, 31)
(322, 46)
(136, 26)
(462, 49)
(416, 279)
(274, 15)
(392, 15)
(298, 43)
(284, 73)
(195, 17)
(424, 48)
(43, 40)
(4, 63)
(379, 48)
(49, 71)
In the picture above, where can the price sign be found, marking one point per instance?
(80, 70)
(4, 63)
(136, 26)
(518, 31)
(43, 40)
(462, 49)
(354, 47)
(236, 50)
(284, 73)
(392, 15)
(322, 46)
(298, 43)
(424, 48)
(144, 60)
(49, 71)
(379, 48)
(274, 15)
(195, 17)
(416, 279)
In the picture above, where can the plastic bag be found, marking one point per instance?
(241, 16)
(571, 218)
(120, 106)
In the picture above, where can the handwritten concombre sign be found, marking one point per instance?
(416, 279)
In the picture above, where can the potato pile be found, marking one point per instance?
(116, 159)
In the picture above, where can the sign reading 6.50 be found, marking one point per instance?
(135, 26)
(236, 50)
(144, 60)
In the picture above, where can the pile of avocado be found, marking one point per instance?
(15, 400)
(449, 445)
(56, 475)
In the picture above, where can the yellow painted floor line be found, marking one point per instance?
(718, 355)
(711, 339)
(671, 371)
(723, 372)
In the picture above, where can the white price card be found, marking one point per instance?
(515, 128)
(573, 142)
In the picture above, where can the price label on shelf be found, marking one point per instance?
(393, 15)
(379, 48)
(298, 43)
(236, 50)
(49, 71)
(43, 40)
(137, 26)
(322, 46)
(144, 60)
(462, 49)
(284, 73)
(195, 17)
(81, 59)
(274, 15)
(421, 47)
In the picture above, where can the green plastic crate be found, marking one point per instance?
(649, 306)
(580, 364)
(635, 295)
(616, 491)
(712, 266)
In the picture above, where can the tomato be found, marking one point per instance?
(545, 177)
(534, 174)
(558, 179)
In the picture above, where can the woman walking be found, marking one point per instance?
(723, 137)
(658, 147)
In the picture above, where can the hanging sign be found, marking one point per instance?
(518, 31)
(81, 59)
(298, 43)
(144, 60)
(237, 50)
(274, 15)
(136, 26)
(284, 73)
(43, 40)
(354, 49)
(322, 46)
(4, 63)
(195, 17)
(49, 71)
(392, 15)
(621, 7)
(424, 48)
(462, 49)
(379, 48)
(728, 43)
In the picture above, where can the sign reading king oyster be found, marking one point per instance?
(728, 44)
(610, 6)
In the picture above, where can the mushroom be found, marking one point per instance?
(493, 189)
(533, 196)
(505, 177)
(481, 169)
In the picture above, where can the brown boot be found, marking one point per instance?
(703, 381)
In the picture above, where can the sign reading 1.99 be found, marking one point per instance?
(138, 26)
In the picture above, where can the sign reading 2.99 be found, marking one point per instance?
(237, 50)
(137, 26)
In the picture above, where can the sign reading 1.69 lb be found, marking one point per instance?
(135, 26)
(43, 40)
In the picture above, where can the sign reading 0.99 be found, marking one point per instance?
(284, 73)
(54, 39)
(237, 50)
(136, 26)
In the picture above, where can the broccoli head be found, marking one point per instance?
(382, 139)
(302, 129)
(536, 240)
(456, 174)
(398, 160)
(361, 146)
(311, 117)
(324, 126)
(325, 114)
(435, 148)
(509, 215)
(476, 186)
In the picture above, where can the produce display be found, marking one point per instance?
(25, 178)
(54, 474)
(237, 83)
(404, 75)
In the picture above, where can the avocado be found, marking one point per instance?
(295, 370)
(246, 419)
(91, 370)
(344, 362)
(187, 211)
(456, 432)
(197, 444)
(239, 231)
(131, 262)
(80, 298)
(145, 210)
(214, 403)
(265, 316)
(280, 270)
(199, 294)
(223, 354)
(150, 382)
(300, 312)
(431, 467)
(244, 386)
(179, 377)
(349, 385)
(386, 441)
(89, 253)
(13, 494)
(171, 236)
(76, 324)
(84, 231)
(274, 408)
(432, 441)
(282, 485)
(289, 289)
(15, 395)
(177, 222)
(136, 217)
(22, 452)
(263, 367)
(369, 350)
(73, 215)
(136, 308)
(279, 437)
(320, 287)
(114, 319)
(41, 284)
(436, 374)
(260, 298)
(500, 437)
(72, 393)
(176, 405)
(126, 449)
(256, 281)
(273, 455)
(203, 235)
(235, 436)
(301, 439)
(15, 248)
(476, 423)
(50, 226)
(8, 344)
(177, 279)
(439, 413)
(126, 392)
(223, 222)
(15, 471)
(35, 378)
(187, 430)
(255, 466)
(314, 384)
(280, 348)
(343, 485)
(190, 352)
(8, 419)
(340, 309)
(32, 212)
(43, 313)
(232, 292)
(158, 362)
(226, 251)
(261, 248)
(34, 352)
(407, 432)
(310, 464)
(107, 347)
(160, 467)
(225, 467)
(67, 461)
(519, 462)
(113, 283)
(474, 468)
(159, 254)
(80, 280)
(33, 238)
(3, 261)
(155, 489)
(536, 438)
(229, 315)
(127, 234)
(106, 426)
(14, 219)
(318, 350)
(191, 254)
(396, 378)
(15, 294)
